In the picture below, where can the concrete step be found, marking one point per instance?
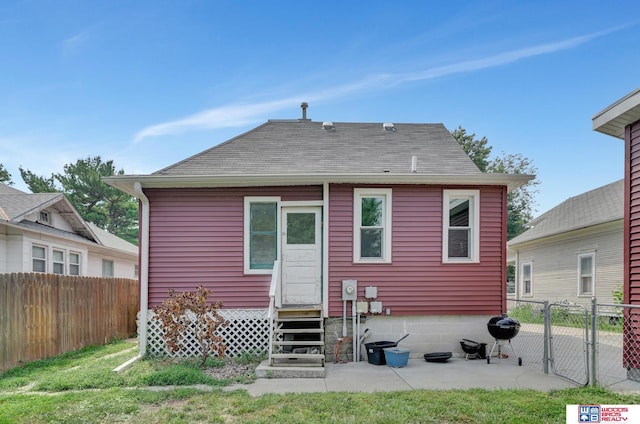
(265, 371)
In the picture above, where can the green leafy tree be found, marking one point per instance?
(521, 201)
(476, 149)
(38, 184)
(5, 176)
(97, 202)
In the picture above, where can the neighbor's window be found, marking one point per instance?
(586, 274)
(107, 268)
(526, 278)
(58, 261)
(461, 226)
(45, 217)
(372, 225)
(39, 258)
(261, 218)
(74, 263)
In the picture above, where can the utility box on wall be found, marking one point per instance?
(349, 290)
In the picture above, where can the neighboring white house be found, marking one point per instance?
(574, 251)
(43, 232)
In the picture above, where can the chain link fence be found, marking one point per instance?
(597, 345)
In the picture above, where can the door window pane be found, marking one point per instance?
(301, 228)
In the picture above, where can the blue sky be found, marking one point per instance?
(149, 83)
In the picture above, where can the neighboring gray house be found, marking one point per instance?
(574, 251)
(43, 232)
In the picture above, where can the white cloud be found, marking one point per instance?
(236, 115)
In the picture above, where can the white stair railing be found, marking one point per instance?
(273, 290)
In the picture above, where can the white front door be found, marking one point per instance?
(301, 255)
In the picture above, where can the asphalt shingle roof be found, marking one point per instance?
(598, 206)
(305, 146)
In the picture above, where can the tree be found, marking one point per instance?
(477, 150)
(521, 201)
(5, 176)
(97, 202)
(38, 184)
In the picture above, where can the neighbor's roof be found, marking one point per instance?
(302, 151)
(16, 206)
(599, 206)
(614, 118)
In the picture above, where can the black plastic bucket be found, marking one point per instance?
(375, 352)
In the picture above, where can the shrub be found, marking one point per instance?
(188, 313)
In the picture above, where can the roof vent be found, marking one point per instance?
(304, 107)
(328, 125)
(388, 126)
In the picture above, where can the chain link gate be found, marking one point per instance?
(569, 341)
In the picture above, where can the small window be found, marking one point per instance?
(39, 258)
(372, 225)
(74, 263)
(58, 261)
(586, 274)
(461, 226)
(107, 268)
(45, 218)
(526, 278)
(261, 217)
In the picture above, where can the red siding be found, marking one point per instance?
(417, 282)
(632, 214)
(631, 353)
(196, 237)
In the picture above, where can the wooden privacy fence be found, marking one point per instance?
(43, 315)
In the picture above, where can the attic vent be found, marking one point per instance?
(388, 126)
(328, 126)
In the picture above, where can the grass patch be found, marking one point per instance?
(81, 388)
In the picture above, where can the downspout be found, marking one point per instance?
(144, 268)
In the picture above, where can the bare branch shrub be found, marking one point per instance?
(187, 313)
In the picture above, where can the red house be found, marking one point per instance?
(622, 120)
(351, 226)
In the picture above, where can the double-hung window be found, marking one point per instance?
(526, 278)
(261, 217)
(58, 261)
(586, 273)
(74, 263)
(372, 225)
(39, 258)
(107, 268)
(461, 226)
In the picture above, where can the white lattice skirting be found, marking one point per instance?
(248, 331)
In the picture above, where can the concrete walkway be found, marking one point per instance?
(456, 373)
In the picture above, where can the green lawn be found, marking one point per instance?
(80, 387)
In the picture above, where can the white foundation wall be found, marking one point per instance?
(427, 334)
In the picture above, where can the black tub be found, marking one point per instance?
(375, 352)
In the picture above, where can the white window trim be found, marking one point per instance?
(474, 204)
(248, 200)
(358, 194)
(592, 254)
(521, 282)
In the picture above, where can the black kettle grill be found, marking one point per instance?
(503, 328)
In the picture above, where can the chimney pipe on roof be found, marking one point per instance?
(304, 107)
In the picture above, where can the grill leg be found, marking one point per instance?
(492, 349)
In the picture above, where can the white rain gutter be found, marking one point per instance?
(144, 268)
